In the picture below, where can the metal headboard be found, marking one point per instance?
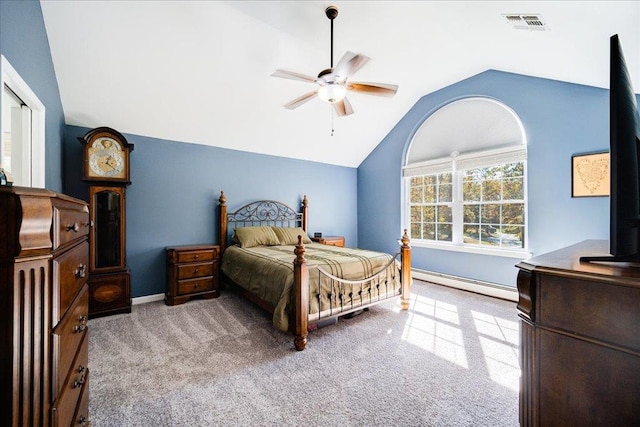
(261, 212)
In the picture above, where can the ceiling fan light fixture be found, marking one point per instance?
(332, 93)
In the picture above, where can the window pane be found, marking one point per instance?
(417, 180)
(444, 232)
(445, 178)
(429, 232)
(489, 235)
(445, 193)
(416, 214)
(430, 194)
(416, 194)
(513, 189)
(430, 180)
(471, 213)
(471, 234)
(444, 214)
(513, 170)
(513, 236)
(471, 191)
(416, 230)
(490, 214)
(513, 213)
(429, 214)
(491, 190)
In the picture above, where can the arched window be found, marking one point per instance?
(465, 179)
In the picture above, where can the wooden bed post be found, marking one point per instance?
(222, 221)
(405, 265)
(300, 297)
(305, 206)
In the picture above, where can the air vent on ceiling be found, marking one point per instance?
(533, 22)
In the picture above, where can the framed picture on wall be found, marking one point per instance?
(590, 175)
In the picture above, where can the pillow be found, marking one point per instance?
(249, 237)
(289, 235)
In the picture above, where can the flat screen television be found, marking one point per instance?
(624, 154)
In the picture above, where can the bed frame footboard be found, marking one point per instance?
(301, 289)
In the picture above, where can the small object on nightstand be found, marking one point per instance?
(191, 271)
(317, 235)
(330, 240)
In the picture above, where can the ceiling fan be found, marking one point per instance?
(333, 83)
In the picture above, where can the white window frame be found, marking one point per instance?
(34, 137)
(453, 165)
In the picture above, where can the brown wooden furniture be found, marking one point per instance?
(580, 339)
(268, 212)
(330, 240)
(106, 154)
(192, 271)
(44, 257)
(109, 276)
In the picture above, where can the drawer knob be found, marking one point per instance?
(195, 270)
(82, 420)
(82, 318)
(196, 256)
(81, 369)
(74, 227)
(79, 382)
(79, 328)
(81, 271)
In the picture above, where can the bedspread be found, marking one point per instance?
(267, 272)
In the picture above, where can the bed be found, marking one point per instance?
(268, 257)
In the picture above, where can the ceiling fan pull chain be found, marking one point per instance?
(331, 109)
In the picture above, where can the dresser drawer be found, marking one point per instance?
(188, 271)
(81, 418)
(70, 269)
(70, 222)
(195, 285)
(197, 255)
(67, 402)
(66, 339)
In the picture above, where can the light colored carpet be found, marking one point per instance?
(451, 360)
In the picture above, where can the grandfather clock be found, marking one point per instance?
(106, 169)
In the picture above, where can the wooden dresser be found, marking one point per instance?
(44, 254)
(192, 271)
(579, 339)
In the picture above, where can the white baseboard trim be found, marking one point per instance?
(147, 298)
(477, 286)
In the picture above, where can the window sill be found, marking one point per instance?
(506, 253)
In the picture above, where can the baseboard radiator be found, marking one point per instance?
(472, 285)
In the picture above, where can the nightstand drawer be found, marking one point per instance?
(188, 271)
(195, 285)
(195, 256)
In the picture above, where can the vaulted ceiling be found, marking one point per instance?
(199, 72)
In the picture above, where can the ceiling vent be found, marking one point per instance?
(532, 22)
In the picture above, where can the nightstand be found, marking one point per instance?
(191, 271)
(330, 240)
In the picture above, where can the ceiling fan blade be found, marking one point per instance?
(293, 76)
(343, 108)
(381, 89)
(300, 100)
(348, 65)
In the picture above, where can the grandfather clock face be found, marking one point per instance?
(106, 156)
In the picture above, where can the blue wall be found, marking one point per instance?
(176, 186)
(24, 42)
(560, 120)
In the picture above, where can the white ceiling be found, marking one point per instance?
(199, 71)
